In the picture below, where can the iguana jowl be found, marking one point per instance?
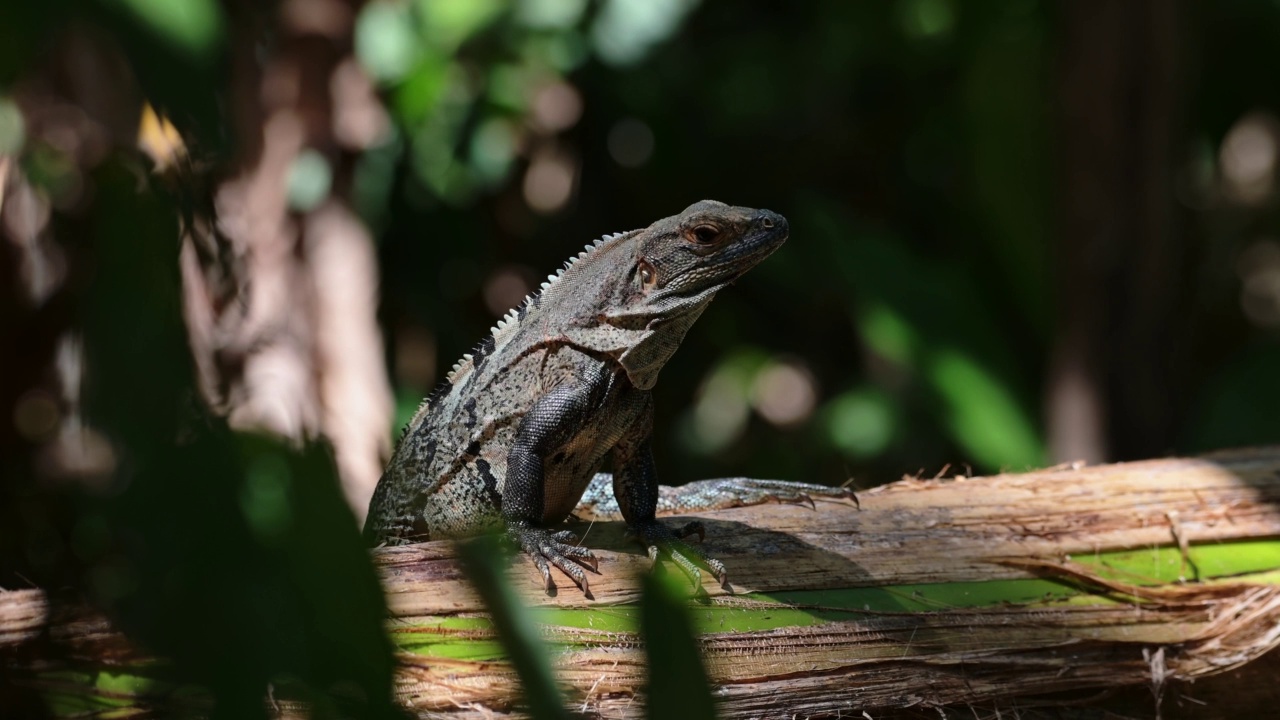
(515, 435)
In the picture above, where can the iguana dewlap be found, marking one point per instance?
(515, 435)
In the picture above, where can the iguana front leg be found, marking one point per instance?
(635, 488)
(552, 420)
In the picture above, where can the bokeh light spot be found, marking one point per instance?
(309, 180)
(506, 288)
(784, 393)
(264, 497)
(1247, 158)
(720, 413)
(557, 107)
(860, 423)
(36, 415)
(493, 147)
(624, 30)
(1259, 271)
(415, 357)
(385, 41)
(927, 19)
(12, 128)
(550, 14)
(630, 142)
(549, 182)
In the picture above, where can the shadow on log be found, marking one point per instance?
(989, 592)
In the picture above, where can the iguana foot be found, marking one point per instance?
(547, 548)
(659, 538)
(736, 492)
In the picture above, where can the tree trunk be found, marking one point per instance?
(994, 592)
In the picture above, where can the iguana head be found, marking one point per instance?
(650, 285)
(686, 258)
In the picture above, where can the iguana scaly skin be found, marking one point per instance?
(515, 435)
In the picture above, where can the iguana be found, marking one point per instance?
(514, 436)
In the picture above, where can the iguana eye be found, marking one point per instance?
(706, 234)
(648, 276)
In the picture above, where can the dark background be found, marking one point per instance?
(1023, 233)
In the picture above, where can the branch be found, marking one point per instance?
(935, 592)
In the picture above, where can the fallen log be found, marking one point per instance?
(948, 591)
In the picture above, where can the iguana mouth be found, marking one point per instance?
(770, 232)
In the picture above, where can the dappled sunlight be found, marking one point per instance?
(1247, 158)
(784, 393)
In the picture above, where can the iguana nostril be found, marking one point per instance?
(767, 222)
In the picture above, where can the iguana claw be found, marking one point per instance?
(546, 548)
(659, 538)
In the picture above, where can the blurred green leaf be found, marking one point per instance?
(550, 14)
(193, 27)
(447, 23)
(385, 41)
(251, 538)
(677, 685)
(178, 52)
(927, 19)
(861, 422)
(887, 332)
(417, 97)
(930, 320)
(482, 559)
(982, 413)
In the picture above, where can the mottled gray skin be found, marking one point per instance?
(514, 437)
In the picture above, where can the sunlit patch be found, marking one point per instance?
(359, 120)
(550, 180)
(1259, 271)
(81, 454)
(327, 18)
(784, 393)
(1247, 159)
(24, 218)
(557, 107)
(625, 30)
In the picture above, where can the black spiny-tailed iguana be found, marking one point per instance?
(515, 435)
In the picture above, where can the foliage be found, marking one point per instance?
(909, 324)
